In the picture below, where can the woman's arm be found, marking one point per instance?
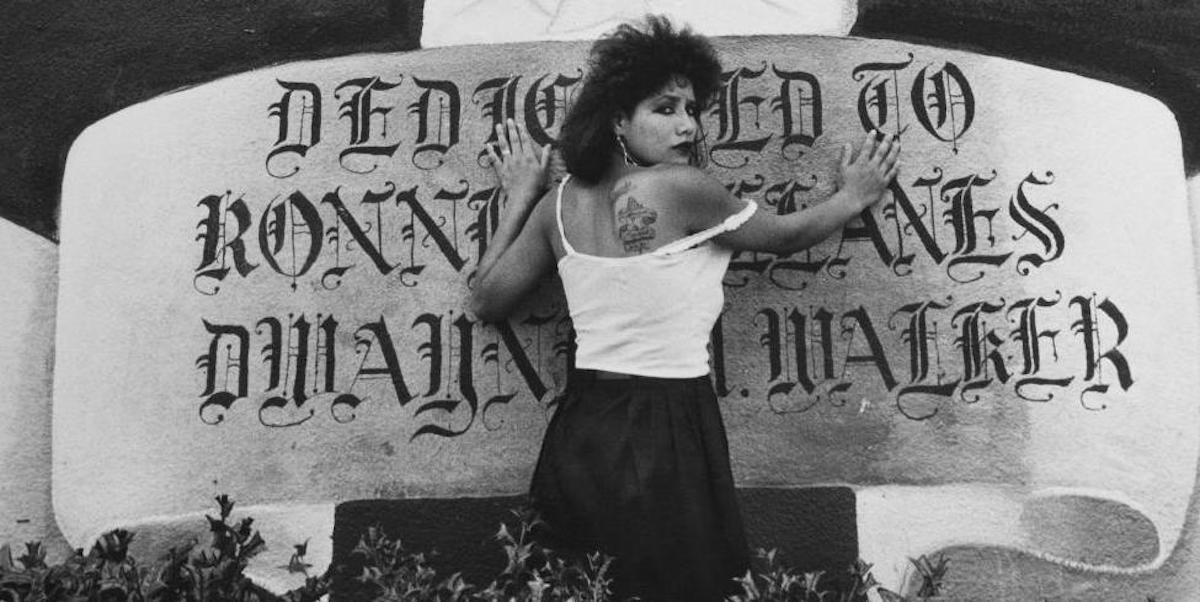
(863, 179)
(518, 252)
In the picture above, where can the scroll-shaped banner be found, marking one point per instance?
(262, 283)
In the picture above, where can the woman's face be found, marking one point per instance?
(663, 126)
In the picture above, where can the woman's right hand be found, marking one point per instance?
(518, 166)
(865, 176)
(519, 251)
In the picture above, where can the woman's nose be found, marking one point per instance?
(687, 126)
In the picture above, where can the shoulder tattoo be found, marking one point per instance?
(621, 189)
(634, 226)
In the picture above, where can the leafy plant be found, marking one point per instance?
(535, 572)
(861, 583)
(383, 570)
(770, 582)
(108, 573)
(932, 574)
(532, 573)
(389, 572)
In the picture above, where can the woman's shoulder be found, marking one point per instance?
(696, 199)
(675, 183)
(676, 175)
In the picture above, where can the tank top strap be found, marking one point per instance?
(562, 233)
(733, 222)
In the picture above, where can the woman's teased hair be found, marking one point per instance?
(624, 68)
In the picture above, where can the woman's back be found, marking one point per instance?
(641, 302)
(627, 217)
(635, 461)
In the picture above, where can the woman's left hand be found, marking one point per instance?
(522, 171)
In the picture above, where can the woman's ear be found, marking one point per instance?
(619, 122)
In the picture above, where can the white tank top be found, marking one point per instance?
(648, 314)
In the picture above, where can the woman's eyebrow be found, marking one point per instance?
(673, 97)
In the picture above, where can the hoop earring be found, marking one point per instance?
(629, 160)
(699, 148)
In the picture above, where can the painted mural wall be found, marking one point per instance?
(270, 268)
(1000, 355)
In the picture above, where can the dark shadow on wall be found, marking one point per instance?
(1150, 46)
(69, 64)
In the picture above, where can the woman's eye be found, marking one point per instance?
(667, 110)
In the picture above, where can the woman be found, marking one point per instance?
(635, 461)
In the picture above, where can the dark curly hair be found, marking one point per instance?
(624, 68)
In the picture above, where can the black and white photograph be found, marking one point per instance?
(608, 300)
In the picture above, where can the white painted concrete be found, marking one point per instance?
(131, 324)
(455, 22)
(28, 291)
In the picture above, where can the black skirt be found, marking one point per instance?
(639, 469)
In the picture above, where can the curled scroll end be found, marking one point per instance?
(1095, 531)
(1085, 530)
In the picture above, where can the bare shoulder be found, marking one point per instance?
(672, 187)
(681, 182)
(699, 198)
